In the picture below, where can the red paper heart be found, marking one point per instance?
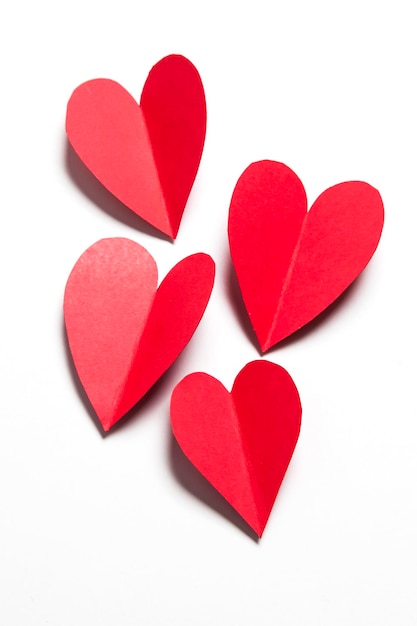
(123, 332)
(291, 264)
(243, 441)
(147, 155)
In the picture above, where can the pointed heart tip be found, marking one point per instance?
(173, 233)
(266, 340)
(258, 531)
(264, 346)
(162, 226)
(171, 230)
(257, 526)
(274, 339)
(109, 417)
(106, 423)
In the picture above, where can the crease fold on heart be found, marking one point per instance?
(147, 155)
(292, 263)
(123, 331)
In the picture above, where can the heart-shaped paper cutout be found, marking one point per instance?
(148, 155)
(292, 264)
(123, 332)
(243, 441)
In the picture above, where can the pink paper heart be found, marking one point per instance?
(123, 332)
(147, 155)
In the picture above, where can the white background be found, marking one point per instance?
(121, 530)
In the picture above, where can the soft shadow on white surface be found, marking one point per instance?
(191, 479)
(91, 187)
(234, 296)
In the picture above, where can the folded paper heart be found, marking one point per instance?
(148, 155)
(122, 331)
(243, 441)
(292, 264)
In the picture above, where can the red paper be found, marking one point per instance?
(147, 155)
(243, 441)
(291, 264)
(123, 332)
